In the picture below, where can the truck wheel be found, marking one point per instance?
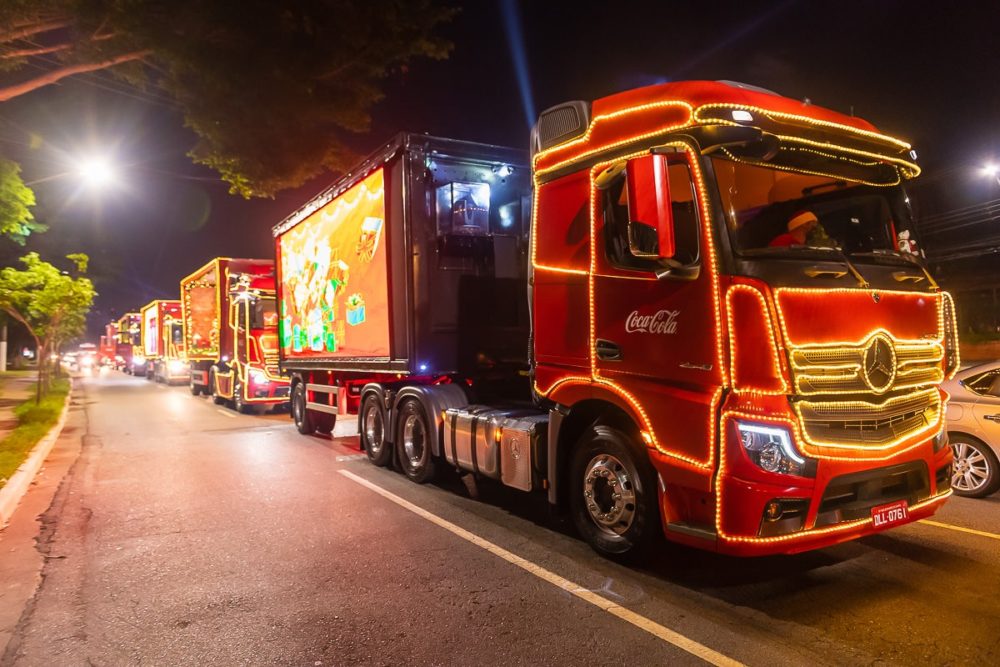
(613, 495)
(195, 388)
(299, 413)
(238, 403)
(974, 470)
(213, 389)
(413, 442)
(373, 431)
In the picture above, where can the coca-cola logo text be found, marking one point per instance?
(661, 322)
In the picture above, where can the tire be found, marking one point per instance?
(373, 431)
(324, 423)
(299, 413)
(613, 496)
(975, 471)
(413, 442)
(196, 390)
(238, 403)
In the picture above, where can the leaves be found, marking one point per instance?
(272, 90)
(16, 201)
(52, 304)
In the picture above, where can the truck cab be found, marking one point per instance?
(231, 333)
(163, 342)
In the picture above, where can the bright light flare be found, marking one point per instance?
(96, 172)
(990, 170)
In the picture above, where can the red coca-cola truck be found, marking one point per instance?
(162, 337)
(696, 309)
(231, 333)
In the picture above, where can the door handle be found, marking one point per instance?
(607, 350)
(993, 418)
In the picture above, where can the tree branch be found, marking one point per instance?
(56, 75)
(38, 51)
(32, 29)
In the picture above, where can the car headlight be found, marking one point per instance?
(138, 360)
(177, 366)
(770, 447)
(258, 377)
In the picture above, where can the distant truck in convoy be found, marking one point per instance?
(163, 342)
(129, 344)
(701, 312)
(107, 347)
(231, 333)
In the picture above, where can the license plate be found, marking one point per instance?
(884, 516)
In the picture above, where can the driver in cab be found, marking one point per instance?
(800, 226)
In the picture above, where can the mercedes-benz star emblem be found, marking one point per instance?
(879, 364)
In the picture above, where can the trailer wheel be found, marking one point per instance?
(413, 445)
(373, 431)
(613, 495)
(195, 388)
(299, 413)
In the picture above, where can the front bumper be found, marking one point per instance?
(830, 507)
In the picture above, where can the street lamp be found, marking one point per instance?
(991, 170)
(96, 171)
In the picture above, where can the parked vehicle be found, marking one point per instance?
(683, 364)
(231, 333)
(129, 357)
(163, 342)
(974, 429)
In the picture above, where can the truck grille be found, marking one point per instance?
(840, 369)
(868, 424)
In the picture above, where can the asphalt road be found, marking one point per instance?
(186, 534)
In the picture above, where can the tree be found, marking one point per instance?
(272, 89)
(16, 200)
(51, 304)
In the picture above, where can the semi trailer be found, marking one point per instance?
(163, 341)
(231, 333)
(696, 309)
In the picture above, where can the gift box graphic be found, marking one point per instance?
(355, 309)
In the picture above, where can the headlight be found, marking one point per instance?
(770, 447)
(177, 366)
(138, 360)
(257, 377)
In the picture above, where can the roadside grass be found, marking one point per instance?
(34, 421)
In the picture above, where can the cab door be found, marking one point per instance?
(655, 322)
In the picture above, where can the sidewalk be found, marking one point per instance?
(15, 388)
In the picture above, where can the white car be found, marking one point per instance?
(974, 429)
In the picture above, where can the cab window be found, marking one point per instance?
(683, 201)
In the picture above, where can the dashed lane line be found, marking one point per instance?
(652, 627)
(960, 529)
(225, 413)
(352, 457)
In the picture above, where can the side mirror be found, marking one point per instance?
(651, 219)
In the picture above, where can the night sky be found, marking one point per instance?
(926, 72)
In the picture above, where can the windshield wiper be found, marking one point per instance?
(906, 258)
(807, 250)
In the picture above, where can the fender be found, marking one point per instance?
(380, 391)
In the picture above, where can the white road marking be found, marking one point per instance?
(352, 457)
(641, 622)
(225, 413)
(981, 533)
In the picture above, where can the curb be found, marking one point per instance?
(20, 481)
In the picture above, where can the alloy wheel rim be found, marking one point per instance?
(413, 439)
(970, 469)
(609, 494)
(373, 430)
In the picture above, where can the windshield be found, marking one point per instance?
(772, 211)
(264, 314)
